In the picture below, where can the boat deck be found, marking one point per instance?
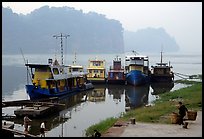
(35, 111)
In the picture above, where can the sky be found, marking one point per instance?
(181, 20)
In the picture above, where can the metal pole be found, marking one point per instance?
(61, 36)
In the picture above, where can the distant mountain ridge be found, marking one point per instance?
(150, 40)
(89, 33)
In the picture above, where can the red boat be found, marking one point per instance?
(116, 73)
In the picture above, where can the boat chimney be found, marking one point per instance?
(50, 61)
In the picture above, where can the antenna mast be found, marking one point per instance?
(61, 36)
(161, 53)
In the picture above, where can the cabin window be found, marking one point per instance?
(61, 70)
(55, 71)
(111, 75)
(96, 63)
(75, 69)
(95, 71)
(120, 75)
(101, 71)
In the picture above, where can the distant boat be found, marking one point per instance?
(96, 71)
(116, 74)
(137, 69)
(79, 69)
(54, 80)
(161, 72)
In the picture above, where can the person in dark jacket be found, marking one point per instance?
(96, 133)
(182, 112)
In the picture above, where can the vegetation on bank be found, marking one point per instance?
(191, 96)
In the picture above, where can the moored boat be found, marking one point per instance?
(54, 79)
(116, 74)
(162, 72)
(96, 71)
(137, 69)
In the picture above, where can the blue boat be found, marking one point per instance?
(55, 80)
(136, 77)
(51, 80)
(137, 69)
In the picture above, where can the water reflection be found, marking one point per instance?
(136, 96)
(97, 94)
(159, 88)
(90, 107)
(117, 91)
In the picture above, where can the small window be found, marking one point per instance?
(55, 71)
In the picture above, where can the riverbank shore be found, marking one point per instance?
(141, 129)
(158, 113)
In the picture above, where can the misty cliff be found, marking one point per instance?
(149, 40)
(89, 32)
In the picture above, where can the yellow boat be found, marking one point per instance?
(96, 71)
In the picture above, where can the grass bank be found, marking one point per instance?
(159, 113)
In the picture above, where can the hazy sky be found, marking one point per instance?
(182, 20)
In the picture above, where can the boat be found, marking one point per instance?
(79, 69)
(54, 79)
(162, 72)
(96, 71)
(116, 74)
(137, 69)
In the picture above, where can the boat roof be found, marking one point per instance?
(37, 65)
(76, 66)
(161, 63)
(43, 65)
(94, 68)
(142, 56)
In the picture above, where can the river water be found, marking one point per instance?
(89, 107)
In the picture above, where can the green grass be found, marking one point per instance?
(101, 126)
(159, 113)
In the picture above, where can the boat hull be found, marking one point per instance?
(136, 78)
(97, 80)
(116, 78)
(160, 78)
(36, 92)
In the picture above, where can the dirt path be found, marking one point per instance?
(157, 130)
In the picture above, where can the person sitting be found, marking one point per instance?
(182, 113)
(96, 133)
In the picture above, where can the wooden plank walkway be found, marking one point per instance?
(7, 130)
(18, 132)
(28, 102)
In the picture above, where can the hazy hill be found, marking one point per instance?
(89, 32)
(149, 40)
